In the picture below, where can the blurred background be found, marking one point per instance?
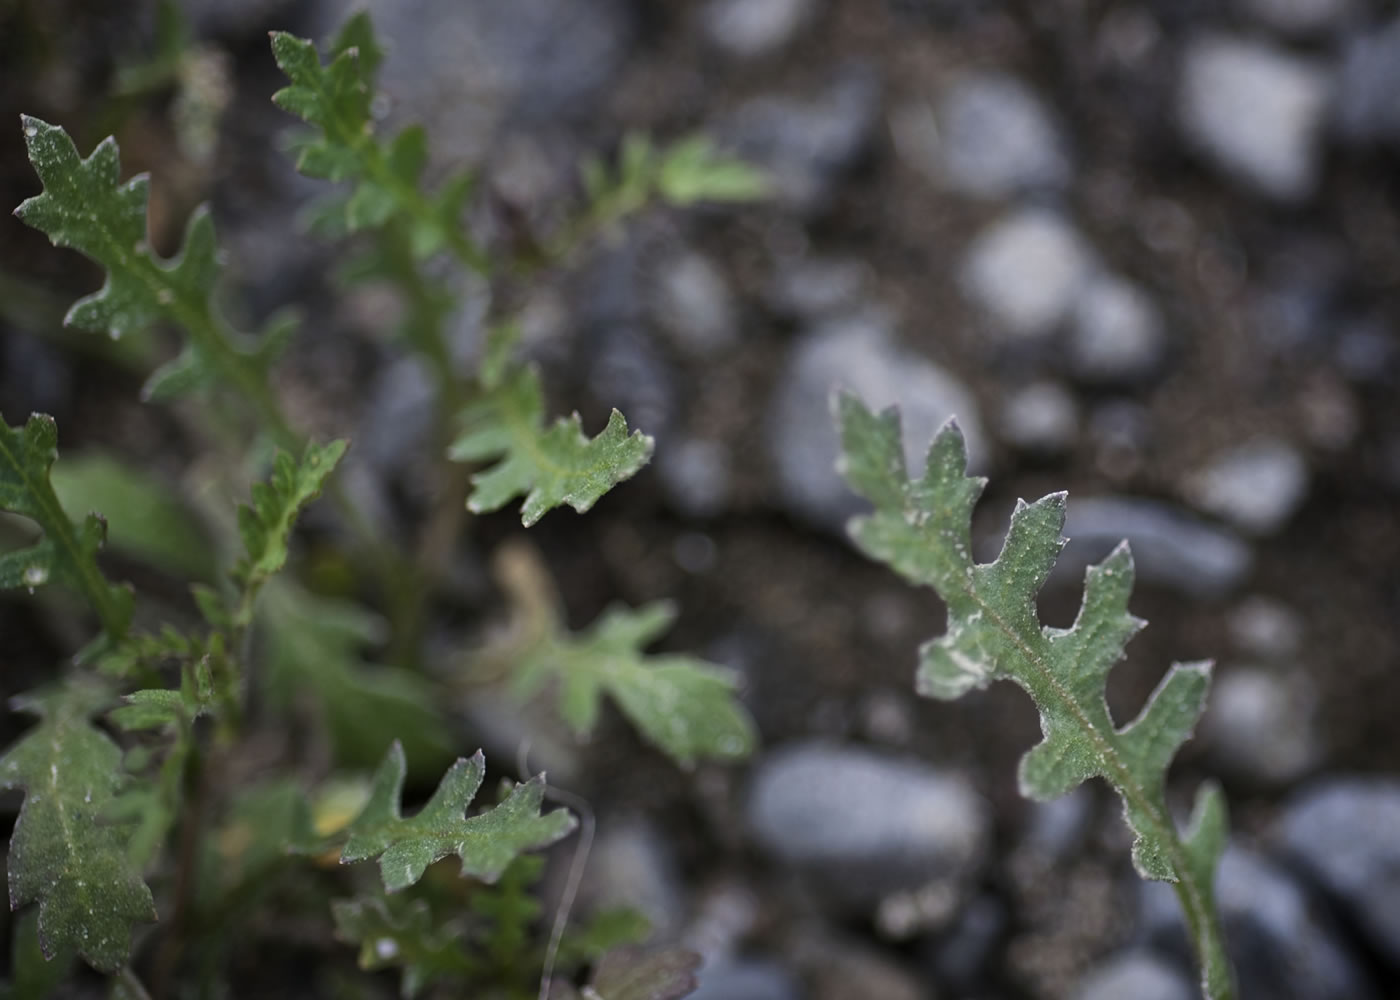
(1145, 251)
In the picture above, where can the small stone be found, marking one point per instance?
(1026, 271)
(865, 824)
(996, 138)
(856, 352)
(632, 865)
(809, 145)
(1366, 109)
(1116, 333)
(1136, 975)
(1256, 113)
(696, 476)
(1299, 17)
(1281, 943)
(746, 979)
(814, 288)
(1343, 832)
(842, 970)
(1041, 418)
(692, 303)
(749, 29)
(1266, 628)
(1170, 547)
(1257, 486)
(1260, 725)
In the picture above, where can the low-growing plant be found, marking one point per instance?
(147, 789)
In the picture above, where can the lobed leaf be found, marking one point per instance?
(266, 525)
(67, 553)
(83, 206)
(548, 466)
(66, 853)
(922, 529)
(394, 932)
(681, 704)
(485, 843)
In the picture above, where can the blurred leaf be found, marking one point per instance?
(694, 170)
(397, 932)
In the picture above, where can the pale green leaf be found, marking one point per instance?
(548, 466)
(681, 704)
(922, 529)
(66, 853)
(634, 974)
(694, 170)
(67, 552)
(486, 843)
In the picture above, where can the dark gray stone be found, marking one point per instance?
(1366, 109)
(865, 824)
(996, 138)
(1345, 832)
(747, 979)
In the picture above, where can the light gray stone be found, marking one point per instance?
(1264, 627)
(1257, 486)
(996, 138)
(747, 979)
(1299, 17)
(1366, 109)
(865, 824)
(1255, 112)
(1117, 333)
(858, 353)
(1041, 418)
(1026, 271)
(1170, 547)
(696, 476)
(632, 865)
(692, 303)
(1346, 833)
(1136, 975)
(1261, 725)
(752, 28)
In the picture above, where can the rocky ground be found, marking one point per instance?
(1148, 252)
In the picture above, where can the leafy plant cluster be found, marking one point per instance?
(143, 792)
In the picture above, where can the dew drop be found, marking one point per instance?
(386, 948)
(31, 131)
(34, 576)
(165, 296)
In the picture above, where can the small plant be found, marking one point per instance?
(143, 799)
(922, 529)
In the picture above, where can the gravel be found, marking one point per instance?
(1136, 975)
(1116, 333)
(1041, 418)
(749, 29)
(1257, 487)
(1255, 112)
(1260, 725)
(693, 305)
(1366, 109)
(1026, 272)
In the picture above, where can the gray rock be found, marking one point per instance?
(865, 824)
(808, 145)
(1366, 109)
(746, 979)
(752, 28)
(1257, 486)
(692, 303)
(1261, 725)
(838, 970)
(1279, 940)
(996, 138)
(857, 353)
(1136, 975)
(1116, 333)
(1255, 112)
(813, 288)
(1041, 418)
(1170, 547)
(1263, 627)
(1026, 272)
(695, 475)
(398, 419)
(1345, 833)
(1299, 17)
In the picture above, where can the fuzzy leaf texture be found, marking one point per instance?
(486, 843)
(266, 525)
(548, 466)
(922, 529)
(83, 206)
(66, 853)
(67, 553)
(681, 704)
(335, 99)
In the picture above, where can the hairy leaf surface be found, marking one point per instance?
(486, 843)
(548, 466)
(66, 853)
(922, 529)
(67, 553)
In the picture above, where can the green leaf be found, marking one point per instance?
(681, 704)
(632, 974)
(147, 518)
(32, 975)
(266, 525)
(922, 529)
(68, 551)
(693, 170)
(84, 207)
(65, 852)
(486, 843)
(548, 466)
(396, 932)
